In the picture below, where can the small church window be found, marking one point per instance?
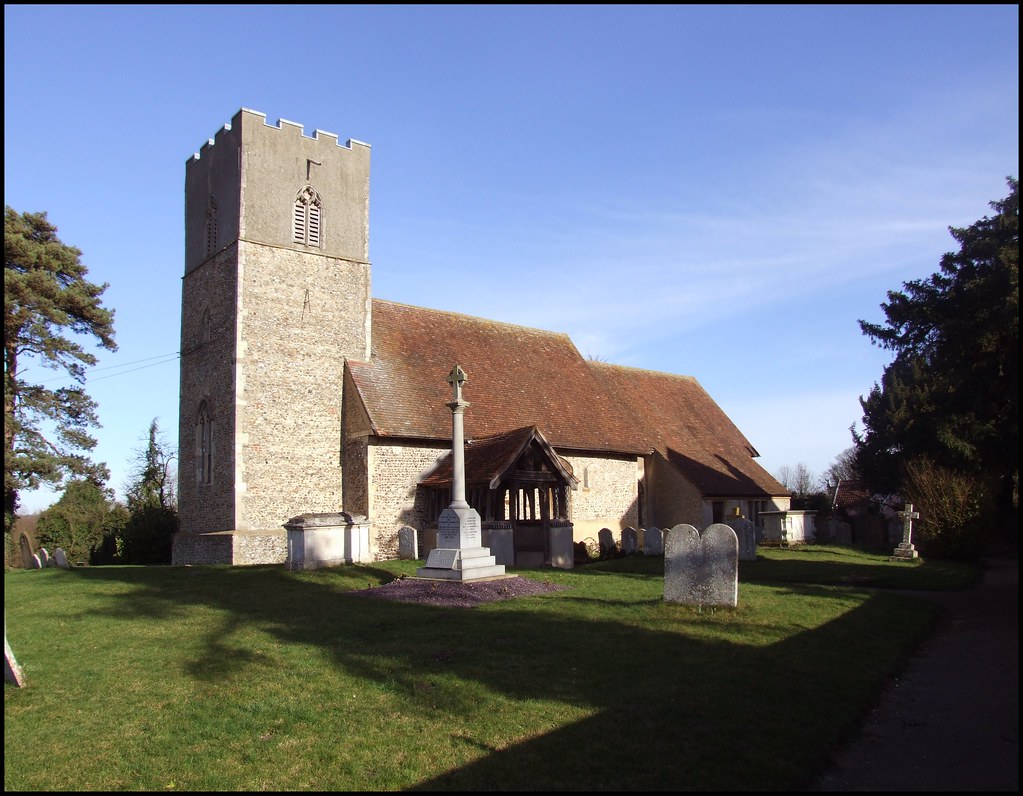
(204, 445)
(204, 329)
(211, 226)
(306, 217)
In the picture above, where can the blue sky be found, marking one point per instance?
(716, 191)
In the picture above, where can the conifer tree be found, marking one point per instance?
(951, 394)
(49, 305)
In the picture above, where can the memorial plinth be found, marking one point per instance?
(459, 554)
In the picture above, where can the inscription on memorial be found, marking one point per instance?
(458, 529)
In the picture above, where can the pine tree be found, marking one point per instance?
(48, 302)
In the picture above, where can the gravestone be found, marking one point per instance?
(701, 568)
(26, 552)
(36, 563)
(905, 551)
(459, 554)
(841, 531)
(60, 558)
(12, 671)
(606, 542)
(653, 542)
(44, 558)
(747, 534)
(629, 541)
(408, 543)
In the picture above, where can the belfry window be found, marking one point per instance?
(204, 445)
(211, 226)
(306, 217)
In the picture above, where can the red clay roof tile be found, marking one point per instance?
(520, 377)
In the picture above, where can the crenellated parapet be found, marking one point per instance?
(243, 184)
(285, 126)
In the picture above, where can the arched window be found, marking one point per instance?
(211, 226)
(204, 329)
(306, 216)
(204, 445)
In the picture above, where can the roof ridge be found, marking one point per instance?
(477, 318)
(644, 370)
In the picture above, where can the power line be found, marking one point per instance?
(147, 359)
(171, 357)
(125, 372)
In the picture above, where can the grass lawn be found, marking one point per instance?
(255, 678)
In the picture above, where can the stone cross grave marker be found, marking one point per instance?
(701, 568)
(905, 551)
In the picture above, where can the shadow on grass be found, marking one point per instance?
(665, 708)
(820, 567)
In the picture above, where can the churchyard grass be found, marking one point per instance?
(254, 678)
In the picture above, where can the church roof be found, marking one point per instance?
(517, 377)
(521, 377)
(676, 417)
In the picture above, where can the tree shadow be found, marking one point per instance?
(652, 731)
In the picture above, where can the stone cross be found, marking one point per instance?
(908, 515)
(905, 551)
(456, 378)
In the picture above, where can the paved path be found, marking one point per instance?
(950, 721)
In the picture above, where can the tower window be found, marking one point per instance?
(211, 226)
(204, 445)
(306, 217)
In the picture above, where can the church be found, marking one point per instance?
(302, 394)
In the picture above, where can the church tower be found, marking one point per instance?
(275, 296)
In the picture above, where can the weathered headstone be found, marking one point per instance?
(653, 542)
(701, 568)
(60, 558)
(629, 541)
(408, 543)
(606, 541)
(44, 558)
(747, 534)
(841, 531)
(26, 552)
(36, 563)
(12, 671)
(459, 554)
(905, 551)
